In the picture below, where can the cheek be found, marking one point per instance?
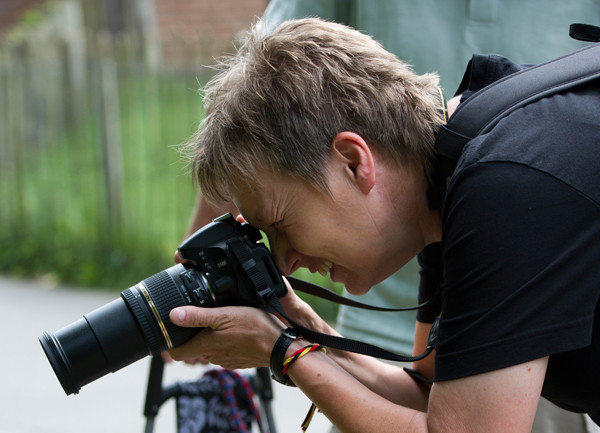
(303, 234)
(328, 242)
(306, 243)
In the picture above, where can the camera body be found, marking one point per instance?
(226, 255)
(224, 265)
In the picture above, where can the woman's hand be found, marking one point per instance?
(235, 337)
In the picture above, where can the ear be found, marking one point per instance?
(354, 155)
(240, 219)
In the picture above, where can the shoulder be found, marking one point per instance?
(557, 135)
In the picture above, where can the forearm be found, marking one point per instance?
(360, 394)
(349, 404)
(387, 380)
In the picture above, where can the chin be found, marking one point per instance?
(355, 283)
(355, 287)
(358, 284)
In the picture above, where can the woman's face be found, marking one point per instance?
(359, 237)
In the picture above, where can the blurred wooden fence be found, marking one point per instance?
(88, 135)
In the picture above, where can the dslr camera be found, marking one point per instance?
(225, 265)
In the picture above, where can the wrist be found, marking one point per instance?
(288, 348)
(279, 355)
(299, 354)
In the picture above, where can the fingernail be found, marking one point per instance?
(178, 315)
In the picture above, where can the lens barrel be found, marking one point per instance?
(122, 331)
(103, 341)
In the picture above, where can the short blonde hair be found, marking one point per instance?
(279, 102)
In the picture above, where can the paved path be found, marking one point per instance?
(32, 400)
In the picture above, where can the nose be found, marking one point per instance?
(286, 258)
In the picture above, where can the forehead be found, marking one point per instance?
(255, 200)
(273, 198)
(272, 193)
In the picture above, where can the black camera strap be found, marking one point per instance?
(323, 293)
(482, 111)
(341, 343)
(584, 32)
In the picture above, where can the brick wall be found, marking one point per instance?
(11, 10)
(196, 31)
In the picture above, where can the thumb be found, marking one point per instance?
(192, 317)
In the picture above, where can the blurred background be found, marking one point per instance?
(95, 97)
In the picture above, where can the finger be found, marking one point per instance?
(177, 258)
(196, 360)
(193, 317)
(189, 351)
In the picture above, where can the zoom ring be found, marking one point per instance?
(166, 296)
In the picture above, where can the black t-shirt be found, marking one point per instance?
(519, 261)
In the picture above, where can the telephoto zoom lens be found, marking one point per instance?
(127, 329)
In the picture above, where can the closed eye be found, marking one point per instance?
(276, 224)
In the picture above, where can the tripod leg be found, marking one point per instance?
(264, 390)
(154, 392)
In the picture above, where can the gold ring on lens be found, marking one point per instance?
(142, 288)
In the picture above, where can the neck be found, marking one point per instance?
(411, 186)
